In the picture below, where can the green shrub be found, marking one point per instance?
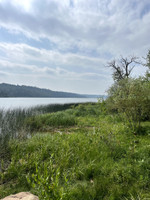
(131, 98)
(90, 109)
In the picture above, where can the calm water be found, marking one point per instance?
(10, 103)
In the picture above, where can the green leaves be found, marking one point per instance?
(131, 97)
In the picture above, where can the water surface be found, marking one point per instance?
(11, 103)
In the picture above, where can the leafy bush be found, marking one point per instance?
(131, 97)
(90, 109)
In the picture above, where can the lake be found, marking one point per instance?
(11, 103)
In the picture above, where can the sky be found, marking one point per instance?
(65, 45)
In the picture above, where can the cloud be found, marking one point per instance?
(87, 24)
(25, 54)
(72, 40)
(18, 59)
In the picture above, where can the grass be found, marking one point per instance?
(15, 124)
(45, 122)
(81, 153)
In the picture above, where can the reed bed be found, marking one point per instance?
(13, 124)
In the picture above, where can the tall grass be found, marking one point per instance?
(12, 121)
(13, 124)
(48, 121)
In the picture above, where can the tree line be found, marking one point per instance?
(9, 90)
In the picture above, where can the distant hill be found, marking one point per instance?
(8, 90)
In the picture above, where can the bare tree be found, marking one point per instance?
(123, 67)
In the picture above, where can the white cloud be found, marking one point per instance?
(91, 23)
(25, 54)
(85, 33)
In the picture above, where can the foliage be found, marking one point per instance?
(148, 65)
(89, 109)
(131, 98)
(148, 59)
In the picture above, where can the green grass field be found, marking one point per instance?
(81, 153)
